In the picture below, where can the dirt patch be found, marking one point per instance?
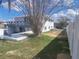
(63, 56)
(53, 33)
(11, 52)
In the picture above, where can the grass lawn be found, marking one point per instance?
(58, 48)
(43, 47)
(25, 49)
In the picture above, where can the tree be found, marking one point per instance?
(37, 11)
(63, 22)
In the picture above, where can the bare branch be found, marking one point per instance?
(9, 4)
(37, 12)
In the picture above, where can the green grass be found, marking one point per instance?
(57, 46)
(43, 47)
(25, 49)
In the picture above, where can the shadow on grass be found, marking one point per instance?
(58, 45)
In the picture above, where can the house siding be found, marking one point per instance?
(19, 24)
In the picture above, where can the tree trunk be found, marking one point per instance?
(37, 32)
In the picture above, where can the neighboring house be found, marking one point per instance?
(19, 24)
(49, 25)
(1, 29)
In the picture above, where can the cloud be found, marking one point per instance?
(71, 12)
(22, 2)
(61, 13)
(25, 2)
(13, 6)
(19, 1)
(68, 2)
(65, 13)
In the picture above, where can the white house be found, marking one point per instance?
(1, 29)
(1, 32)
(49, 25)
(20, 25)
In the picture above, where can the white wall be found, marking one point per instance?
(48, 26)
(70, 34)
(73, 38)
(1, 32)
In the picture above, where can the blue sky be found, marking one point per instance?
(6, 15)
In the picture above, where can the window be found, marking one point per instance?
(45, 28)
(49, 27)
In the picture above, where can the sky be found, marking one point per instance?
(5, 14)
